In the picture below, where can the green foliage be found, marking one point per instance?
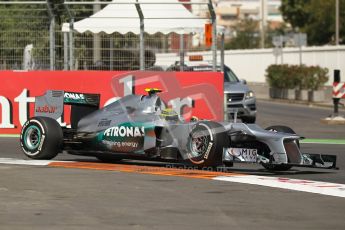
(247, 36)
(316, 18)
(295, 12)
(296, 77)
(315, 77)
(281, 76)
(24, 24)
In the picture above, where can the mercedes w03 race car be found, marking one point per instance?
(139, 127)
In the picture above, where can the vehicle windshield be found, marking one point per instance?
(229, 76)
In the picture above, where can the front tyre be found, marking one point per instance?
(280, 167)
(41, 138)
(205, 144)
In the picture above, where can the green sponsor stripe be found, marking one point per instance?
(9, 135)
(324, 141)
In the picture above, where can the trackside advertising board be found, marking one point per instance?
(189, 93)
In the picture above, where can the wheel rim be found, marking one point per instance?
(32, 137)
(199, 145)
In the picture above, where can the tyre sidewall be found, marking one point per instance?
(33, 123)
(212, 156)
(51, 138)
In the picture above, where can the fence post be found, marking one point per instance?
(182, 51)
(222, 53)
(71, 41)
(214, 35)
(65, 51)
(111, 47)
(52, 43)
(51, 36)
(70, 38)
(141, 36)
(336, 100)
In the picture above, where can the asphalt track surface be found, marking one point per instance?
(98, 197)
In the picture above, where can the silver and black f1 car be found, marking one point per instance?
(138, 127)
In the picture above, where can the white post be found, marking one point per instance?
(71, 44)
(141, 36)
(65, 51)
(181, 51)
(96, 38)
(263, 15)
(300, 48)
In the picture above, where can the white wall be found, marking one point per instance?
(251, 64)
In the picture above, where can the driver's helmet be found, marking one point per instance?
(169, 115)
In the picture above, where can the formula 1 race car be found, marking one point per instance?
(139, 127)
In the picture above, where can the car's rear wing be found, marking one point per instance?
(51, 104)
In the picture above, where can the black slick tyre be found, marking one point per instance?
(205, 144)
(280, 167)
(41, 138)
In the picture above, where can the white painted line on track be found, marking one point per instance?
(324, 188)
(13, 161)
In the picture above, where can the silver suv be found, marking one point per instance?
(237, 95)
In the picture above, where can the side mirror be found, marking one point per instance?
(243, 81)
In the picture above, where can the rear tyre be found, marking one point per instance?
(41, 138)
(205, 144)
(280, 167)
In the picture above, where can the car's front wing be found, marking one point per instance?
(310, 160)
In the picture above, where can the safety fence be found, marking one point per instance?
(122, 52)
(24, 37)
(31, 38)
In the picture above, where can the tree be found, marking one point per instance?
(295, 12)
(20, 26)
(24, 24)
(316, 18)
(247, 35)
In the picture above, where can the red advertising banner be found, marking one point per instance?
(189, 93)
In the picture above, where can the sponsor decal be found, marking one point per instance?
(208, 150)
(104, 123)
(74, 96)
(198, 94)
(121, 144)
(43, 137)
(247, 155)
(45, 109)
(124, 131)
